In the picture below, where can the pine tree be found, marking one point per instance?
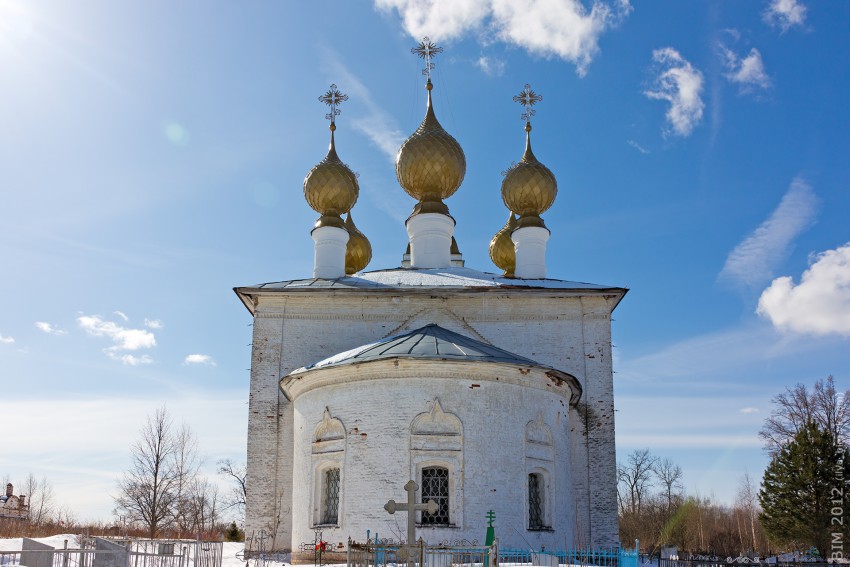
(804, 495)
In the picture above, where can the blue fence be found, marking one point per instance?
(553, 558)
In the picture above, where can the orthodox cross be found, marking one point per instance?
(491, 515)
(412, 507)
(427, 50)
(528, 98)
(333, 98)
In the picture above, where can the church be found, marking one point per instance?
(490, 391)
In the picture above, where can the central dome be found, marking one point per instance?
(430, 165)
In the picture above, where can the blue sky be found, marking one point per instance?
(153, 156)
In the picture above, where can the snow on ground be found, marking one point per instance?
(56, 542)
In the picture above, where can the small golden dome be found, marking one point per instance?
(529, 188)
(358, 251)
(502, 250)
(331, 188)
(430, 165)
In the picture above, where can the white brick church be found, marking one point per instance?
(492, 392)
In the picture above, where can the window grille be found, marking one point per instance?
(535, 502)
(331, 497)
(435, 486)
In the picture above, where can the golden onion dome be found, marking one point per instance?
(358, 251)
(430, 165)
(529, 188)
(331, 188)
(502, 250)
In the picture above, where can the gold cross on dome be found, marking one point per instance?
(528, 98)
(427, 50)
(333, 98)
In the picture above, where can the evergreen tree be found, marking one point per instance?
(804, 495)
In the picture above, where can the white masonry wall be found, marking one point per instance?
(377, 416)
(558, 329)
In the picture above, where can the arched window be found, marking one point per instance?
(435, 486)
(539, 463)
(536, 501)
(436, 457)
(328, 451)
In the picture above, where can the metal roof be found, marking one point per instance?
(411, 278)
(429, 342)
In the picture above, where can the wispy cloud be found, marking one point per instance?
(785, 14)
(748, 73)
(45, 327)
(204, 359)
(124, 339)
(122, 315)
(153, 324)
(380, 127)
(565, 29)
(748, 410)
(753, 261)
(637, 146)
(819, 304)
(680, 84)
(491, 67)
(377, 124)
(6, 340)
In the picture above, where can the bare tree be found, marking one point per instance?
(39, 494)
(669, 476)
(796, 406)
(748, 503)
(635, 477)
(148, 491)
(186, 465)
(236, 496)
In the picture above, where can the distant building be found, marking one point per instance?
(12, 506)
(490, 391)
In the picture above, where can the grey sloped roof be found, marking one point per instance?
(428, 342)
(412, 278)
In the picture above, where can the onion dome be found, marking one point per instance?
(430, 165)
(502, 250)
(331, 188)
(529, 188)
(358, 251)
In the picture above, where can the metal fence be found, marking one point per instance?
(107, 553)
(554, 558)
(382, 555)
(420, 555)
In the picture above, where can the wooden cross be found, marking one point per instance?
(412, 507)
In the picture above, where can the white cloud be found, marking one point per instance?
(753, 261)
(49, 329)
(122, 315)
(680, 84)
(438, 19)
(819, 304)
(124, 339)
(637, 146)
(199, 359)
(129, 359)
(490, 66)
(564, 29)
(748, 410)
(785, 14)
(748, 73)
(153, 324)
(6, 340)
